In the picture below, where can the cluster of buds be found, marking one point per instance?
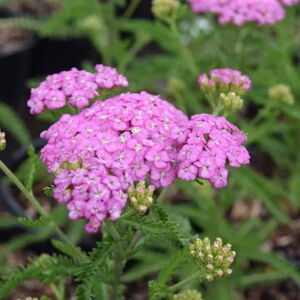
(231, 101)
(2, 141)
(225, 87)
(164, 9)
(215, 258)
(281, 92)
(188, 295)
(141, 197)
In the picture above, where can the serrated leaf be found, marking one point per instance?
(41, 221)
(63, 248)
(32, 163)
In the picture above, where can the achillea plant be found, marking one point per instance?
(117, 151)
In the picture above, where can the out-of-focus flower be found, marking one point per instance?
(188, 295)
(239, 12)
(140, 197)
(75, 88)
(164, 9)
(215, 258)
(281, 92)
(98, 154)
(224, 81)
(2, 141)
(289, 2)
(209, 142)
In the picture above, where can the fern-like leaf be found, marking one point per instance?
(41, 221)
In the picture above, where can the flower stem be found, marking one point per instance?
(198, 275)
(131, 8)
(34, 202)
(185, 52)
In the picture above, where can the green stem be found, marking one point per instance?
(132, 52)
(118, 260)
(198, 275)
(59, 291)
(185, 52)
(133, 4)
(34, 202)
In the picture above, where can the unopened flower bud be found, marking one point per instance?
(231, 101)
(283, 93)
(188, 295)
(163, 9)
(215, 258)
(2, 141)
(140, 197)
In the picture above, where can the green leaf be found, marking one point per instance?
(48, 191)
(280, 264)
(32, 167)
(268, 191)
(41, 221)
(11, 123)
(63, 248)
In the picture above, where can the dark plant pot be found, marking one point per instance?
(55, 55)
(15, 63)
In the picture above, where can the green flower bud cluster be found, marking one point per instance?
(164, 9)
(281, 92)
(140, 197)
(232, 101)
(215, 258)
(2, 141)
(188, 295)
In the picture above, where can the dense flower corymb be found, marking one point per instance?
(210, 142)
(239, 12)
(74, 87)
(98, 154)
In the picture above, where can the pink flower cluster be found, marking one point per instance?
(97, 154)
(74, 87)
(226, 79)
(289, 2)
(239, 12)
(209, 142)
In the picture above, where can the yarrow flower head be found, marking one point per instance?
(98, 154)
(209, 143)
(224, 80)
(2, 141)
(215, 258)
(188, 295)
(239, 12)
(75, 88)
(140, 197)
